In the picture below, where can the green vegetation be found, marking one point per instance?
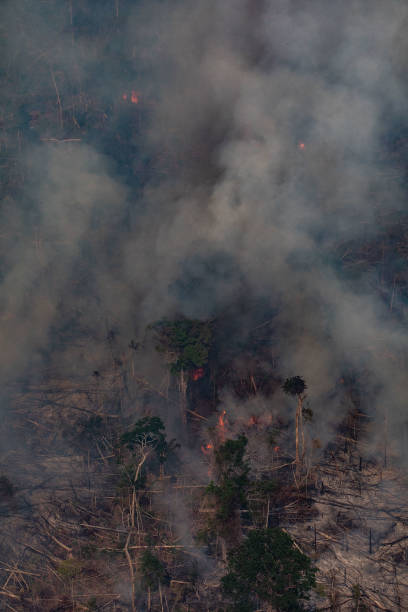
(153, 571)
(267, 566)
(232, 476)
(188, 339)
(148, 446)
(148, 431)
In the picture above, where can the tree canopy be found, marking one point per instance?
(294, 385)
(149, 431)
(232, 472)
(188, 339)
(267, 565)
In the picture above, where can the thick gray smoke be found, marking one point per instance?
(260, 153)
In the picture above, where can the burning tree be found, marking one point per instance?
(187, 343)
(296, 386)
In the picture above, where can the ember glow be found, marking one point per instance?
(221, 419)
(198, 373)
(134, 97)
(221, 426)
(207, 448)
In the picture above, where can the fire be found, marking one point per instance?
(221, 419)
(221, 426)
(207, 448)
(253, 420)
(198, 373)
(276, 449)
(134, 97)
(301, 145)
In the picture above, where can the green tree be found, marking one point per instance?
(268, 567)
(147, 440)
(153, 571)
(188, 341)
(147, 444)
(149, 432)
(232, 478)
(154, 574)
(229, 492)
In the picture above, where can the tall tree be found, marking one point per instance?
(296, 386)
(147, 443)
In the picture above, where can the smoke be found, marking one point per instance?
(243, 86)
(200, 195)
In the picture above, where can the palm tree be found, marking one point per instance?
(296, 386)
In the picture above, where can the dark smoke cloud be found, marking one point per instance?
(204, 194)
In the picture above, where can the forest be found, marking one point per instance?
(203, 305)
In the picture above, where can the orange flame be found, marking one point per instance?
(221, 419)
(134, 97)
(198, 373)
(301, 145)
(221, 426)
(207, 448)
